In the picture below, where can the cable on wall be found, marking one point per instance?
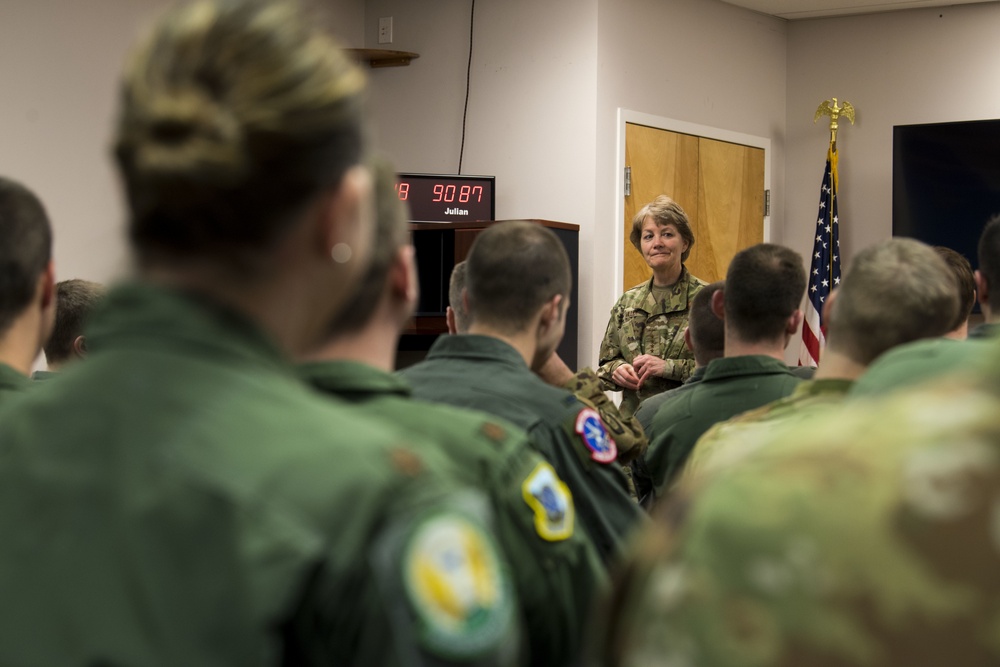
(468, 79)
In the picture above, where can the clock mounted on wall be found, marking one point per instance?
(448, 198)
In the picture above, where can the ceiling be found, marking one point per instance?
(810, 9)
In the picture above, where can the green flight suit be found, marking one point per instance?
(183, 498)
(921, 361)
(11, 382)
(488, 374)
(649, 407)
(639, 324)
(42, 376)
(731, 385)
(555, 568)
(866, 536)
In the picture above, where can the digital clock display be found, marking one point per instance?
(437, 198)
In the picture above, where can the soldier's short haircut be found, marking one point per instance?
(390, 234)
(455, 287)
(764, 286)
(25, 249)
(513, 269)
(75, 301)
(989, 252)
(894, 292)
(707, 331)
(665, 211)
(961, 269)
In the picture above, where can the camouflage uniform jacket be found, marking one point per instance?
(864, 536)
(731, 441)
(627, 432)
(640, 325)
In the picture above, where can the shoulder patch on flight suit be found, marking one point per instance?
(591, 430)
(494, 431)
(551, 501)
(406, 461)
(455, 583)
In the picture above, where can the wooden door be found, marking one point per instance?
(720, 185)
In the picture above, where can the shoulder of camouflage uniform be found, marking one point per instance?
(872, 541)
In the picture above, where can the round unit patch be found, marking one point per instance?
(551, 501)
(591, 430)
(456, 586)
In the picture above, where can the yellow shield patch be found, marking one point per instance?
(551, 501)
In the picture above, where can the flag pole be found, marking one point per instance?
(824, 272)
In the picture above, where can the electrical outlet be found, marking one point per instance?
(385, 30)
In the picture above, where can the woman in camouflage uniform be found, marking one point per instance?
(643, 352)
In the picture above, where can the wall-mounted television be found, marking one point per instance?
(946, 182)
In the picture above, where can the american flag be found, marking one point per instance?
(824, 274)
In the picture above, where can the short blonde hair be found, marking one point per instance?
(665, 211)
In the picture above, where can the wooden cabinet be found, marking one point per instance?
(441, 245)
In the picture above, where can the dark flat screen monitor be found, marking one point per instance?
(946, 182)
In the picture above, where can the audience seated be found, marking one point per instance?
(517, 286)
(27, 284)
(929, 360)
(902, 272)
(865, 535)
(759, 306)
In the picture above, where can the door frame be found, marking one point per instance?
(626, 116)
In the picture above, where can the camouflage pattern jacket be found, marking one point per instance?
(641, 325)
(865, 535)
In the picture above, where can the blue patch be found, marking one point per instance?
(591, 430)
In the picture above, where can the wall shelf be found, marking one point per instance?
(383, 57)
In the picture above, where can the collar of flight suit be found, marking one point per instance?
(347, 379)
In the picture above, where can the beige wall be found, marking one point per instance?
(59, 65)
(917, 66)
(548, 78)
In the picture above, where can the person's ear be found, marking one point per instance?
(449, 316)
(551, 313)
(982, 288)
(47, 286)
(828, 306)
(687, 339)
(403, 277)
(346, 215)
(719, 304)
(793, 323)
(80, 347)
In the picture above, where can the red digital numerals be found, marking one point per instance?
(447, 193)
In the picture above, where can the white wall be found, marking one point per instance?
(531, 116)
(914, 66)
(59, 68)
(59, 64)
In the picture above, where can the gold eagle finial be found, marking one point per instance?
(835, 111)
